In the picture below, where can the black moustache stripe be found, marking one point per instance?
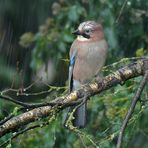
(86, 35)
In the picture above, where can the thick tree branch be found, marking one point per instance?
(119, 77)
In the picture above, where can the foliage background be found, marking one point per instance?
(35, 37)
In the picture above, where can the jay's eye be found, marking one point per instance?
(87, 30)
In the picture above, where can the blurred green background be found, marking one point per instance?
(35, 37)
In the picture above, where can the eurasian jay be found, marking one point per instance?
(87, 57)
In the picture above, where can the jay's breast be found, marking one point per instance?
(89, 62)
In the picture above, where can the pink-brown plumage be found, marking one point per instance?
(90, 59)
(90, 54)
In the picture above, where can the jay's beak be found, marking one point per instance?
(77, 32)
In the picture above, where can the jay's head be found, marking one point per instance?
(89, 30)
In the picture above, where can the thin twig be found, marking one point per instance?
(34, 94)
(131, 109)
(82, 141)
(121, 10)
(35, 105)
(14, 101)
(69, 118)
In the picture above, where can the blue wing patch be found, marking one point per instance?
(72, 60)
